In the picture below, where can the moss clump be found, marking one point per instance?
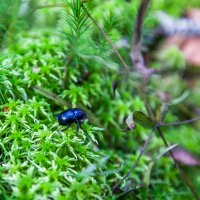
(54, 65)
(38, 161)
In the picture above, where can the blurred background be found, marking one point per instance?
(54, 57)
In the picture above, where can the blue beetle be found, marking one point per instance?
(70, 116)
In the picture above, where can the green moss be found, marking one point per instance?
(32, 156)
(72, 61)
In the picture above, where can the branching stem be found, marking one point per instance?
(140, 66)
(184, 177)
(180, 123)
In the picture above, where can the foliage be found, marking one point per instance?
(75, 63)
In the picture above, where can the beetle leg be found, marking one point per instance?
(66, 128)
(79, 122)
(77, 127)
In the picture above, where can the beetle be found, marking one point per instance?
(70, 116)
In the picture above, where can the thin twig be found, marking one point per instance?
(136, 162)
(180, 123)
(107, 38)
(136, 55)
